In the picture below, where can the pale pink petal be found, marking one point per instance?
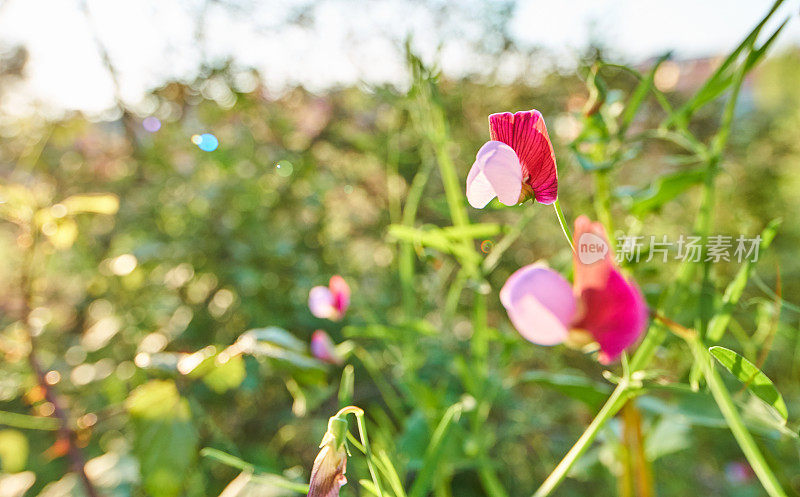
(540, 304)
(615, 315)
(495, 173)
(479, 190)
(526, 133)
(341, 294)
(328, 472)
(322, 348)
(321, 302)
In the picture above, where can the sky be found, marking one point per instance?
(151, 41)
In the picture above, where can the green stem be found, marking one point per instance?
(406, 262)
(28, 422)
(734, 420)
(614, 403)
(563, 222)
(602, 202)
(493, 258)
(257, 473)
(489, 480)
(390, 397)
(479, 345)
(362, 432)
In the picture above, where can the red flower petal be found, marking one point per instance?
(341, 293)
(614, 315)
(526, 133)
(613, 309)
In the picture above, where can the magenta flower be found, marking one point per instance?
(323, 348)
(330, 302)
(546, 310)
(516, 164)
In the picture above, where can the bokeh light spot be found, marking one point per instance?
(284, 168)
(52, 377)
(206, 142)
(486, 246)
(82, 374)
(151, 124)
(124, 264)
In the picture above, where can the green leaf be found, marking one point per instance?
(719, 322)
(639, 94)
(276, 336)
(227, 375)
(277, 343)
(669, 435)
(165, 440)
(578, 387)
(434, 452)
(347, 386)
(685, 405)
(664, 189)
(755, 380)
(414, 439)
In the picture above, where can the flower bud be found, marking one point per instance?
(327, 474)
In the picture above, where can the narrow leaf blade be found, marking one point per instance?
(756, 381)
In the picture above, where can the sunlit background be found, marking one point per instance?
(340, 42)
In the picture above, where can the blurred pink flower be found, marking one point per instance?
(739, 472)
(516, 164)
(323, 348)
(330, 302)
(546, 310)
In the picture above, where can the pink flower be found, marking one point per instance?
(330, 302)
(323, 348)
(546, 310)
(516, 164)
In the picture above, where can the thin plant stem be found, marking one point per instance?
(257, 474)
(563, 222)
(618, 397)
(362, 432)
(65, 431)
(406, 263)
(637, 465)
(497, 252)
(479, 351)
(602, 202)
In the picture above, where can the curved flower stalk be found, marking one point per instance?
(601, 306)
(330, 302)
(516, 164)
